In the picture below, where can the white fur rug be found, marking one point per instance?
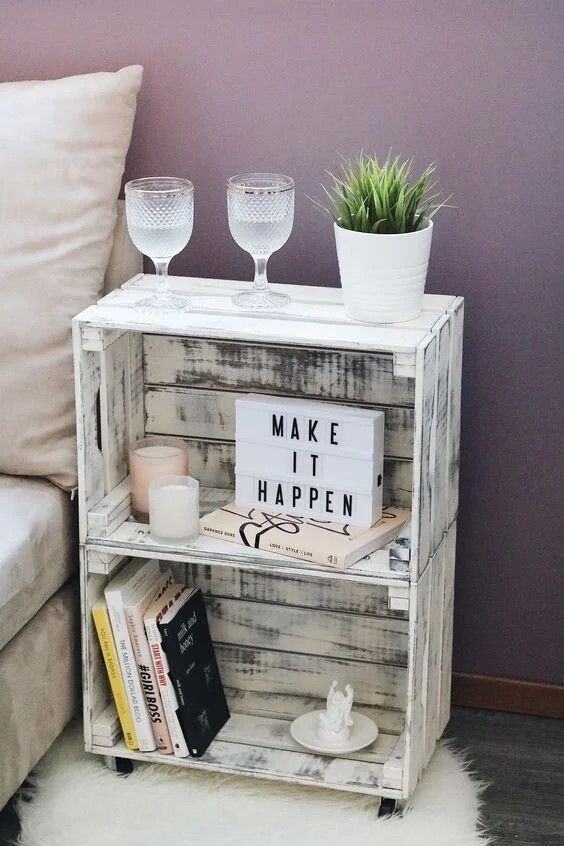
(78, 802)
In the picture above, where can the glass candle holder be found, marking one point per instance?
(151, 458)
(174, 509)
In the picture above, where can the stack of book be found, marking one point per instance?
(156, 643)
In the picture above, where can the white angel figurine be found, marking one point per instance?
(335, 723)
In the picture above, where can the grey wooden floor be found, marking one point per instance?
(522, 758)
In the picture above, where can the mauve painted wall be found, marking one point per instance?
(287, 85)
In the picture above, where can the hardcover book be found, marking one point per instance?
(104, 630)
(135, 606)
(337, 545)
(186, 640)
(153, 616)
(134, 577)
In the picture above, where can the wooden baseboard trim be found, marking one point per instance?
(515, 695)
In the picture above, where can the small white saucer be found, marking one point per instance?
(364, 731)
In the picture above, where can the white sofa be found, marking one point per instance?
(39, 629)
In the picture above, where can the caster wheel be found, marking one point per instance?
(387, 807)
(121, 766)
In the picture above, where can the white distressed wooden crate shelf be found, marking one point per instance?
(282, 629)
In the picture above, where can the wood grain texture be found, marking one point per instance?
(273, 765)
(423, 458)
(210, 414)
(515, 695)
(286, 706)
(213, 463)
(114, 403)
(434, 659)
(447, 621)
(415, 720)
(301, 591)
(351, 637)
(246, 668)
(90, 462)
(335, 374)
(440, 448)
(275, 734)
(456, 313)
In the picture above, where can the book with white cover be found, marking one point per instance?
(152, 618)
(135, 606)
(134, 577)
(337, 545)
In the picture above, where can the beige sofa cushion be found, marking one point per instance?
(38, 548)
(62, 151)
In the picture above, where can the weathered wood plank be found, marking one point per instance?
(90, 462)
(454, 399)
(288, 707)
(263, 368)
(275, 734)
(434, 667)
(212, 463)
(108, 514)
(415, 723)
(114, 393)
(209, 414)
(303, 591)
(263, 625)
(135, 397)
(95, 687)
(447, 617)
(392, 771)
(423, 460)
(273, 765)
(440, 437)
(247, 668)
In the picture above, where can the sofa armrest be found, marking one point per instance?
(125, 259)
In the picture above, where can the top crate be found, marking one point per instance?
(137, 374)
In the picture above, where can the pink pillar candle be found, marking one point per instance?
(150, 459)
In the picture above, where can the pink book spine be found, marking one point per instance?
(166, 689)
(143, 659)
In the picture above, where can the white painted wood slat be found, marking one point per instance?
(285, 706)
(454, 400)
(210, 414)
(273, 765)
(275, 734)
(423, 458)
(352, 637)
(302, 591)
(248, 668)
(419, 627)
(331, 375)
(447, 618)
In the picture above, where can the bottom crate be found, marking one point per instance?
(234, 752)
(278, 655)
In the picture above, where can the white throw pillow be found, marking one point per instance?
(62, 151)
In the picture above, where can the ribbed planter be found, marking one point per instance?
(383, 276)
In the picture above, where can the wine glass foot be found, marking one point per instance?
(263, 300)
(164, 304)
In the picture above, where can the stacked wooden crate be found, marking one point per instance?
(283, 630)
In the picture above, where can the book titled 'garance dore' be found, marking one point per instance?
(337, 545)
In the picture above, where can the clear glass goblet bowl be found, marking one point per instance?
(160, 218)
(260, 209)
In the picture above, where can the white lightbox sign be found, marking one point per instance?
(308, 458)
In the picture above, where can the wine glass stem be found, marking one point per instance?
(161, 268)
(261, 282)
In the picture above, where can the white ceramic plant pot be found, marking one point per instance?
(383, 276)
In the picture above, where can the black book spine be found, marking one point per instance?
(202, 706)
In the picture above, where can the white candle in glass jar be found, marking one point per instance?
(150, 459)
(174, 509)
